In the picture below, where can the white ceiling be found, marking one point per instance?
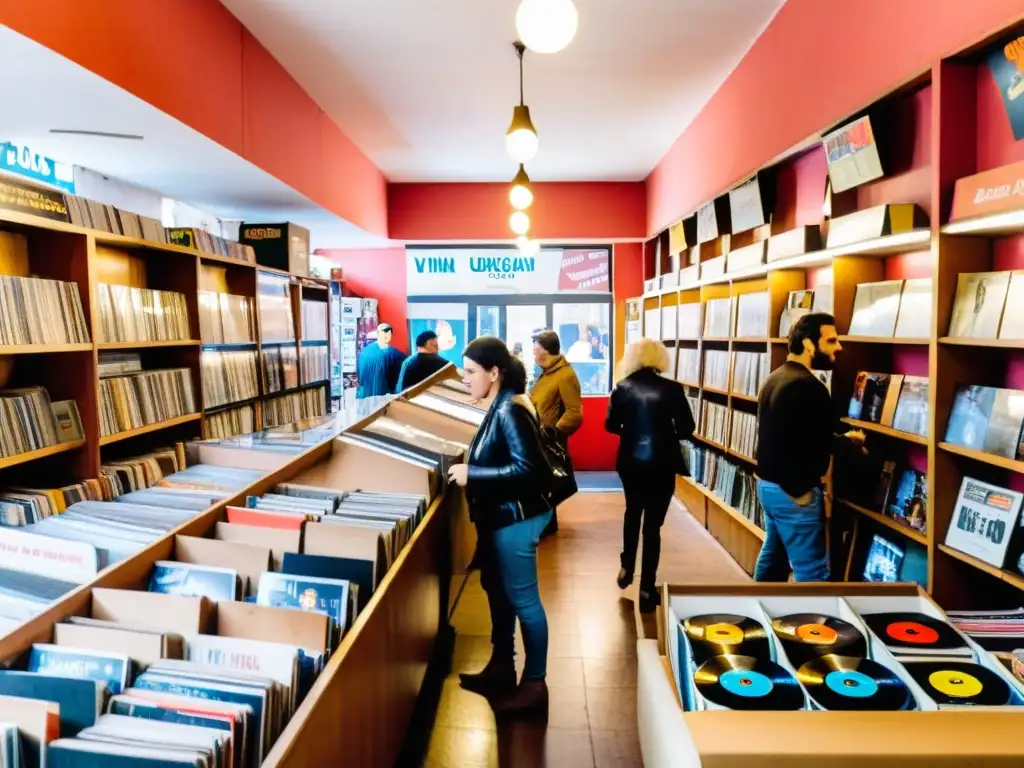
(172, 159)
(426, 87)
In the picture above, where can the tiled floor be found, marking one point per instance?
(592, 653)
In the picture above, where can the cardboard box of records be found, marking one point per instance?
(796, 675)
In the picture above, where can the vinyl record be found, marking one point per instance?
(914, 632)
(743, 682)
(719, 634)
(806, 636)
(960, 682)
(848, 683)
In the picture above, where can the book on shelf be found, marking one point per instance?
(750, 369)
(225, 318)
(141, 314)
(39, 311)
(716, 369)
(752, 315)
(987, 419)
(875, 309)
(139, 399)
(714, 422)
(798, 304)
(229, 376)
(985, 518)
(915, 316)
(978, 306)
(314, 320)
(718, 318)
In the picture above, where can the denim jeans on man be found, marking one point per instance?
(794, 536)
(517, 596)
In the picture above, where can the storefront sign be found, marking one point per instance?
(22, 160)
(995, 191)
(474, 271)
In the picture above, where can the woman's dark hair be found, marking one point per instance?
(808, 327)
(490, 352)
(548, 341)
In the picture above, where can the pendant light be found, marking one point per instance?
(527, 247)
(547, 26)
(520, 194)
(519, 223)
(521, 137)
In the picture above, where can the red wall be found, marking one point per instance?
(817, 61)
(193, 60)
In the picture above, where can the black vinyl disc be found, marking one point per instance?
(848, 683)
(914, 631)
(743, 682)
(806, 636)
(960, 682)
(719, 634)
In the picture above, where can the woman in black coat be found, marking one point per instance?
(506, 478)
(650, 414)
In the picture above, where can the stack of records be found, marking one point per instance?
(22, 506)
(314, 320)
(750, 369)
(307, 404)
(313, 364)
(38, 311)
(27, 422)
(275, 308)
(229, 376)
(150, 397)
(126, 475)
(24, 595)
(234, 421)
(280, 368)
(141, 314)
(225, 318)
(106, 218)
(201, 240)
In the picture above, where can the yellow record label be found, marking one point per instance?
(727, 634)
(959, 684)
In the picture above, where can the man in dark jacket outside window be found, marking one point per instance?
(424, 364)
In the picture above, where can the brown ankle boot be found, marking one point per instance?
(495, 679)
(530, 699)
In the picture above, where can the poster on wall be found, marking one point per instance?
(1006, 63)
(476, 271)
(634, 323)
(449, 321)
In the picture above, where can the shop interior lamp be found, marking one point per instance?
(520, 195)
(519, 223)
(547, 26)
(527, 247)
(521, 138)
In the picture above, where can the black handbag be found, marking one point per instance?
(563, 479)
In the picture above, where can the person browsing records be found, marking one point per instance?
(379, 365)
(556, 395)
(424, 364)
(796, 434)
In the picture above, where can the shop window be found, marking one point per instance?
(584, 331)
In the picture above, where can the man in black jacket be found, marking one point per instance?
(424, 364)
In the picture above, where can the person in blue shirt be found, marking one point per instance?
(379, 365)
(424, 364)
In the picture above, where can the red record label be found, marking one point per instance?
(912, 632)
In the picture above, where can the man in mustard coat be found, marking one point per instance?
(555, 395)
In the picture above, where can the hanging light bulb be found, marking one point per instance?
(521, 138)
(520, 194)
(527, 247)
(519, 223)
(547, 26)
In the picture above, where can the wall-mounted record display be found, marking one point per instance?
(851, 152)
(750, 203)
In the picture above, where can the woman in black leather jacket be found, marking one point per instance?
(651, 415)
(506, 478)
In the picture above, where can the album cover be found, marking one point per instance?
(884, 560)
(984, 519)
(978, 307)
(915, 316)
(987, 419)
(909, 503)
(798, 304)
(1012, 326)
(875, 309)
(869, 394)
(912, 407)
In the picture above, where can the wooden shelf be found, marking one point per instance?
(734, 513)
(235, 404)
(716, 391)
(779, 340)
(981, 565)
(992, 459)
(747, 398)
(688, 383)
(718, 339)
(709, 441)
(53, 450)
(118, 437)
(215, 257)
(887, 521)
(145, 344)
(883, 340)
(991, 225)
(740, 456)
(993, 343)
(750, 339)
(878, 429)
(43, 349)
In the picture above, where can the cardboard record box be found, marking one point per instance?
(680, 726)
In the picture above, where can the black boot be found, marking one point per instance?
(495, 679)
(529, 700)
(625, 578)
(649, 600)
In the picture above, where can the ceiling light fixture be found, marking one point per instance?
(547, 26)
(519, 223)
(521, 194)
(527, 247)
(521, 137)
(96, 134)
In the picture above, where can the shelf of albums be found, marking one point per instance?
(269, 599)
(923, 269)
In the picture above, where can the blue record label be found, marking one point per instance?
(849, 682)
(746, 682)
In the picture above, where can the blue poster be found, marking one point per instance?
(22, 160)
(451, 337)
(1006, 64)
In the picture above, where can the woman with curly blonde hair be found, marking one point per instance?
(650, 414)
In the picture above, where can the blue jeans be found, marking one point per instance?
(794, 535)
(515, 553)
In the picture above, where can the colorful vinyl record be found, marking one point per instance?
(743, 682)
(914, 632)
(806, 636)
(960, 682)
(719, 634)
(848, 683)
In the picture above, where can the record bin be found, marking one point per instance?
(672, 734)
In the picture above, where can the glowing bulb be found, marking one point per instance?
(519, 223)
(527, 247)
(521, 139)
(520, 194)
(547, 26)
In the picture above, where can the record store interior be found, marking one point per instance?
(519, 383)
